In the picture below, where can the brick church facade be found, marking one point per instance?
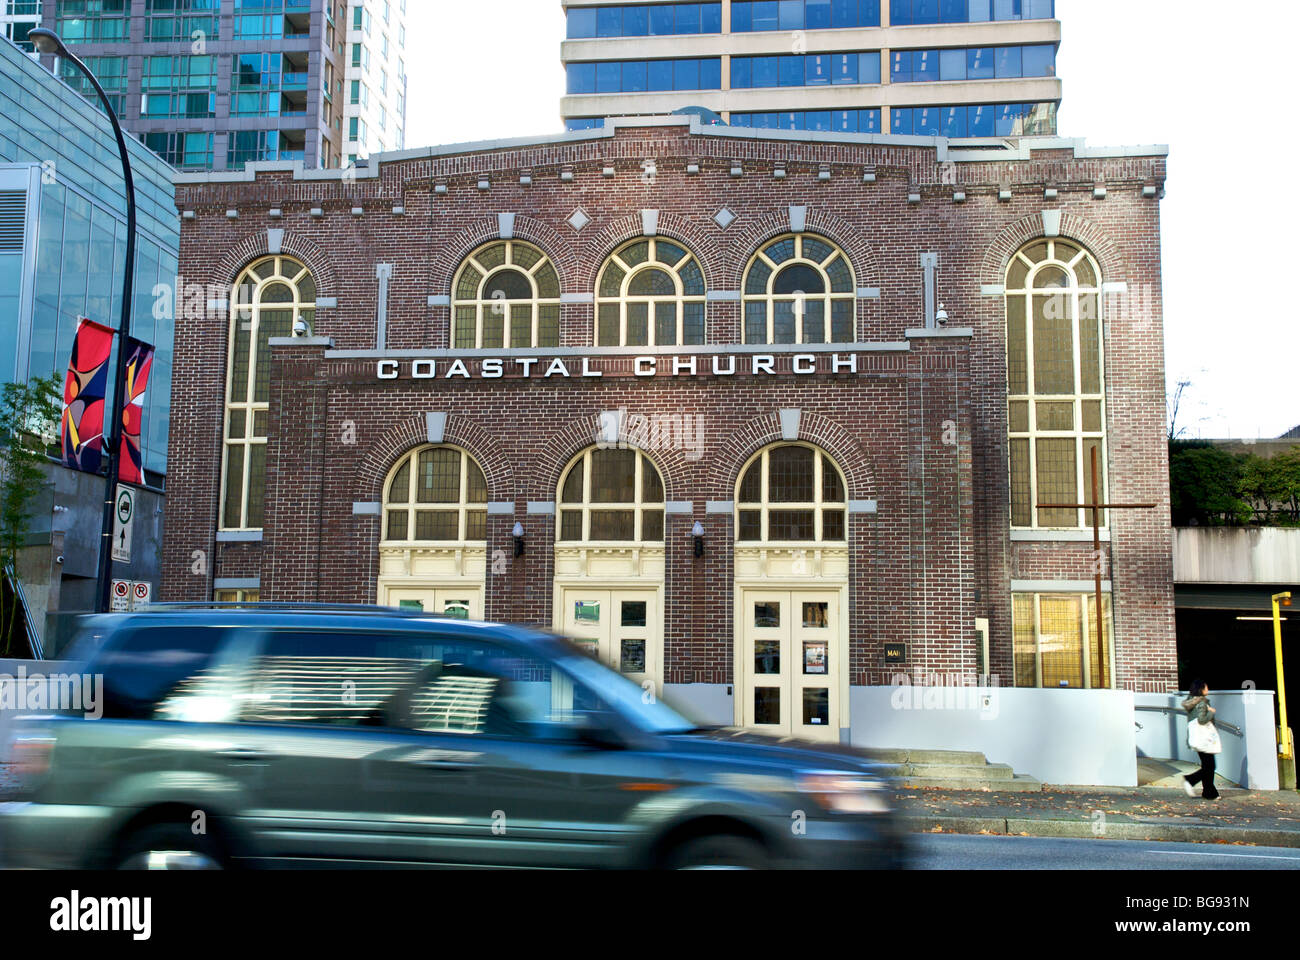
(759, 418)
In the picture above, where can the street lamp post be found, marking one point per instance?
(1287, 748)
(49, 42)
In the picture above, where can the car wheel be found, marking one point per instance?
(168, 846)
(721, 852)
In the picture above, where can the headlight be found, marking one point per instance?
(844, 793)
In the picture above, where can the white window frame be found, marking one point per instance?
(770, 299)
(624, 299)
(463, 505)
(290, 273)
(480, 303)
(1085, 624)
(765, 504)
(1083, 466)
(638, 505)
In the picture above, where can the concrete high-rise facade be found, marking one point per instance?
(956, 68)
(213, 84)
(16, 18)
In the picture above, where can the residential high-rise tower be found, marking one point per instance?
(212, 84)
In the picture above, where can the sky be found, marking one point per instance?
(1134, 72)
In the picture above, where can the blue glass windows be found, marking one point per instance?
(972, 63)
(805, 71)
(635, 76)
(904, 13)
(640, 20)
(830, 121)
(764, 15)
(984, 120)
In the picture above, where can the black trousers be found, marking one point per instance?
(1205, 776)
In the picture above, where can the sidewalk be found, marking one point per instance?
(1120, 813)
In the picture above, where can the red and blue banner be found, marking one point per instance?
(84, 389)
(139, 362)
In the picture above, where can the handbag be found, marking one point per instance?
(1203, 737)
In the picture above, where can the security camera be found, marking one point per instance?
(59, 559)
(941, 318)
(300, 328)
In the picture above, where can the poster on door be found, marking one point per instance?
(814, 656)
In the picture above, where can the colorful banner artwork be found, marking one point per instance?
(83, 397)
(139, 361)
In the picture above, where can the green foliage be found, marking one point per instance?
(29, 425)
(1210, 486)
(1273, 485)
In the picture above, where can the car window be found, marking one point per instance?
(144, 666)
(632, 701)
(478, 688)
(337, 677)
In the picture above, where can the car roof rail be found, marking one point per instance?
(354, 609)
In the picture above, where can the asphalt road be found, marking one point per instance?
(948, 851)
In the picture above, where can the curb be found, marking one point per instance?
(1112, 830)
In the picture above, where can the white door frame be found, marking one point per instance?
(839, 645)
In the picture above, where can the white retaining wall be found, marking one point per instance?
(1249, 760)
(1083, 737)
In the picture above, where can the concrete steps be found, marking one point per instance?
(951, 770)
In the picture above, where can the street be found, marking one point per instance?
(934, 851)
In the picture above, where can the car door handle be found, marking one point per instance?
(244, 755)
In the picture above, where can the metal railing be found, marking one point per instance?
(1232, 728)
(33, 638)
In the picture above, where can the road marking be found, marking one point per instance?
(1197, 853)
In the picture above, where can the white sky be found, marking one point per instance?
(1135, 72)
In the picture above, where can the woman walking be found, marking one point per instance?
(1203, 737)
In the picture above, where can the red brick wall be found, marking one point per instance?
(935, 555)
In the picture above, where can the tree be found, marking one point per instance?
(1205, 485)
(1273, 485)
(1172, 404)
(29, 425)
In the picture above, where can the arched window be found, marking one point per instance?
(790, 492)
(799, 289)
(507, 295)
(650, 293)
(611, 494)
(270, 297)
(435, 495)
(1055, 382)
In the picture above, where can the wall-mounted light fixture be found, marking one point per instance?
(697, 532)
(518, 534)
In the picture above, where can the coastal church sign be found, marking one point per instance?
(565, 368)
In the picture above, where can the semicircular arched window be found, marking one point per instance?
(611, 495)
(271, 295)
(799, 288)
(790, 492)
(1055, 383)
(649, 293)
(507, 294)
(435, 494)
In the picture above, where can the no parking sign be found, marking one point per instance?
(131, 595)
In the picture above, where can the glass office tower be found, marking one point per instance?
(62, 253)
(957, 68)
